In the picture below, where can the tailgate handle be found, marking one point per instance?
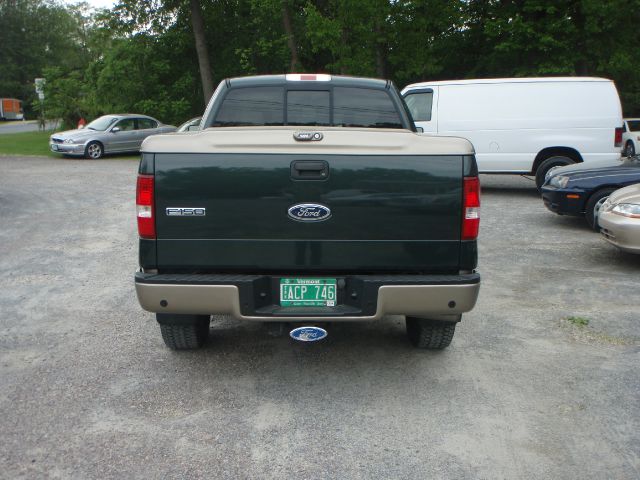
(309, 170)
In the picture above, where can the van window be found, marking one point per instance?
(305, 107)
(255, 106)
(420, 104)
(362, 107)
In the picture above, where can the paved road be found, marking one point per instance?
(90, 391)
(27, 126)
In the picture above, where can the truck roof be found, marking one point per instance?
(508, 80)
(339, 80)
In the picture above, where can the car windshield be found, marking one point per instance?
(102, 123)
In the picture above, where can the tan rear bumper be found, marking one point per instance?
(435, 300)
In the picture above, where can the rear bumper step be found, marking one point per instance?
(360, 297)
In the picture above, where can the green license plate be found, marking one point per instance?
(308, 292)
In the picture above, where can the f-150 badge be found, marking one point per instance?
(309, 212)
(185, 212)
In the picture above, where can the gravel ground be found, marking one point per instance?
(88, 389)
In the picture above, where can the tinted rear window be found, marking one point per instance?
(352, 107)
(305, 107)
(361, 107)
(251, 107)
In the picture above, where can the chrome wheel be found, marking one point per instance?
(94, 150)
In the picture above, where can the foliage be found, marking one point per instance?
(141, 56)
(578, 321)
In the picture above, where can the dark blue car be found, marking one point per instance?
(577, 189)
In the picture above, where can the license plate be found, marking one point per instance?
(308, 292)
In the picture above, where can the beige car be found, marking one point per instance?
(619, 219)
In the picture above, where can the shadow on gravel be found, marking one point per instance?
(531, 192)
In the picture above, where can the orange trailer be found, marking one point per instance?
(11, 109)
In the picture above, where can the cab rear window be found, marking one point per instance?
(340, 106)
(246, 107)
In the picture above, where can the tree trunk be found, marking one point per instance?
(291, 39)
(206, 75)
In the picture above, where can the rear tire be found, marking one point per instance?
(629, 149)
(590, 207)
(430, 334)
(184, 332)
(548, 164)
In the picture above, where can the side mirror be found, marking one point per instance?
(192, 128)
(420, 129)
(115, 129)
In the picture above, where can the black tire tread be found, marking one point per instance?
(629, 149)
(547, 163)
(185, 337)
(591, 204)
(428, 334)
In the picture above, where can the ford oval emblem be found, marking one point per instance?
(309, 212)
(308, 334)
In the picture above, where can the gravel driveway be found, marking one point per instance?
(88, 389)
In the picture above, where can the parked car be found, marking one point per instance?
(190, 125)
(277, 223)
(577, 189)
(108, 134)
(631, 136)
(619, 219)
(524, 125)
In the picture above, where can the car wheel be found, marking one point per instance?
(184, 332)
(94, 150)
(429, 334)
(590, 208)
(629, 149)
(548, 164)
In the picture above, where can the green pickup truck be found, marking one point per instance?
(307, 199)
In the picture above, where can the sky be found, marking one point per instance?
(94, 3)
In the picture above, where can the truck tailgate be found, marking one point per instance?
(395, 202)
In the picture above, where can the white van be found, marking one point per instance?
(524, 125)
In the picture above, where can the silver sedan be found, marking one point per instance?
(619, 219)
(108, 134)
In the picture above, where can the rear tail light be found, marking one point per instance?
(617, 141)
(471, 208)
(145, 207)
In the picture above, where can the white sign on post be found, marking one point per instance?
(40, 87)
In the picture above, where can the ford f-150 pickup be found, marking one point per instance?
(307, 199)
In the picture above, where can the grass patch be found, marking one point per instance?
(37, 143)
(580, 331)
(578, 321)
(25, 143)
